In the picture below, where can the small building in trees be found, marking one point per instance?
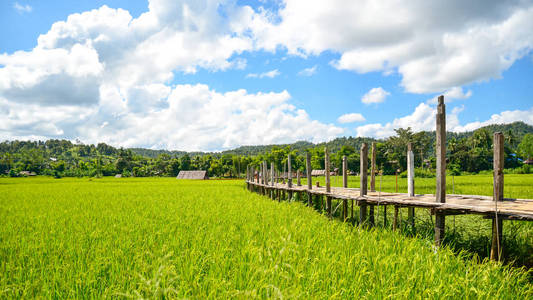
(202, 175)
(528, 162)
(318, 173)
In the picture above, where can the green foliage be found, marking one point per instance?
(526, 146)
(161, 238)
(419, 173)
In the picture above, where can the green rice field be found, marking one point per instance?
(161, 238)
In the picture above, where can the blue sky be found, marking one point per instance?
(213, 75)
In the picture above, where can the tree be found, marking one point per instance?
(526, 146)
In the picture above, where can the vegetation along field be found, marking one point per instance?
(155, 237)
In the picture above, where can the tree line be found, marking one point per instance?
(469, 152)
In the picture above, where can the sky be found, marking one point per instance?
(215, 75)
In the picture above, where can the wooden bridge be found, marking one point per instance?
(267, 181)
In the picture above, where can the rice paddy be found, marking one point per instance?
(164, 238)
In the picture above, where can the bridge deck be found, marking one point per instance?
(521, 209)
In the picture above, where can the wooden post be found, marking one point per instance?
(309, 178)
(265, 174)
(328, 181)
(289, 173)
(497, 224)
(363, 182)
(272, 174)
(284, 174)
(373, 174)
(411, 185)
(326, 164)
(395, 219)
(440, 193)
(344, 185)
(298, 179)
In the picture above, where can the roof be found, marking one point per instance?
(318, 172)
(192, 175)
(27, 173)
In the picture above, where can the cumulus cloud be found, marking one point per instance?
(269, 74)
(423, 119)
(103, 75)
(351, 118)
(375, 95)
(194, 118)
(434, 46)
(22, 8)
(455, 93)
(504, 117)
(308, 71)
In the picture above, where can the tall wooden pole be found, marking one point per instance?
(309, 179)
(344, 185)
(440, 193)
(265, 174)
(344, 172)
(298, 179)
(411, 184)
(497, 224)
(363, 182)
(289, 169)
(272, 174)
(326, 164)
(373, 171)
(328, 181)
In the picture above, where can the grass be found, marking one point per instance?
(163, 238)
(468, 233)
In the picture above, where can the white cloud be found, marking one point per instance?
(22, 8)
(375, 95)
(269, 74)
(194, 118)
(308, 71)
(504, 117)
(434, 46)
(423, 119)
(455, 93)
(351, 118)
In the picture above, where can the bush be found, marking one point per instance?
(419, 173)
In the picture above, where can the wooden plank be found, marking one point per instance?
(497, 224)
(363, 182)
(440, 193)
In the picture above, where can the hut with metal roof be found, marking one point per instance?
(192, 175)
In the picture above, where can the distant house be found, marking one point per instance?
(192, 175)
(528, 162)
(318, 172)
(118, 176)
(26, 173)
